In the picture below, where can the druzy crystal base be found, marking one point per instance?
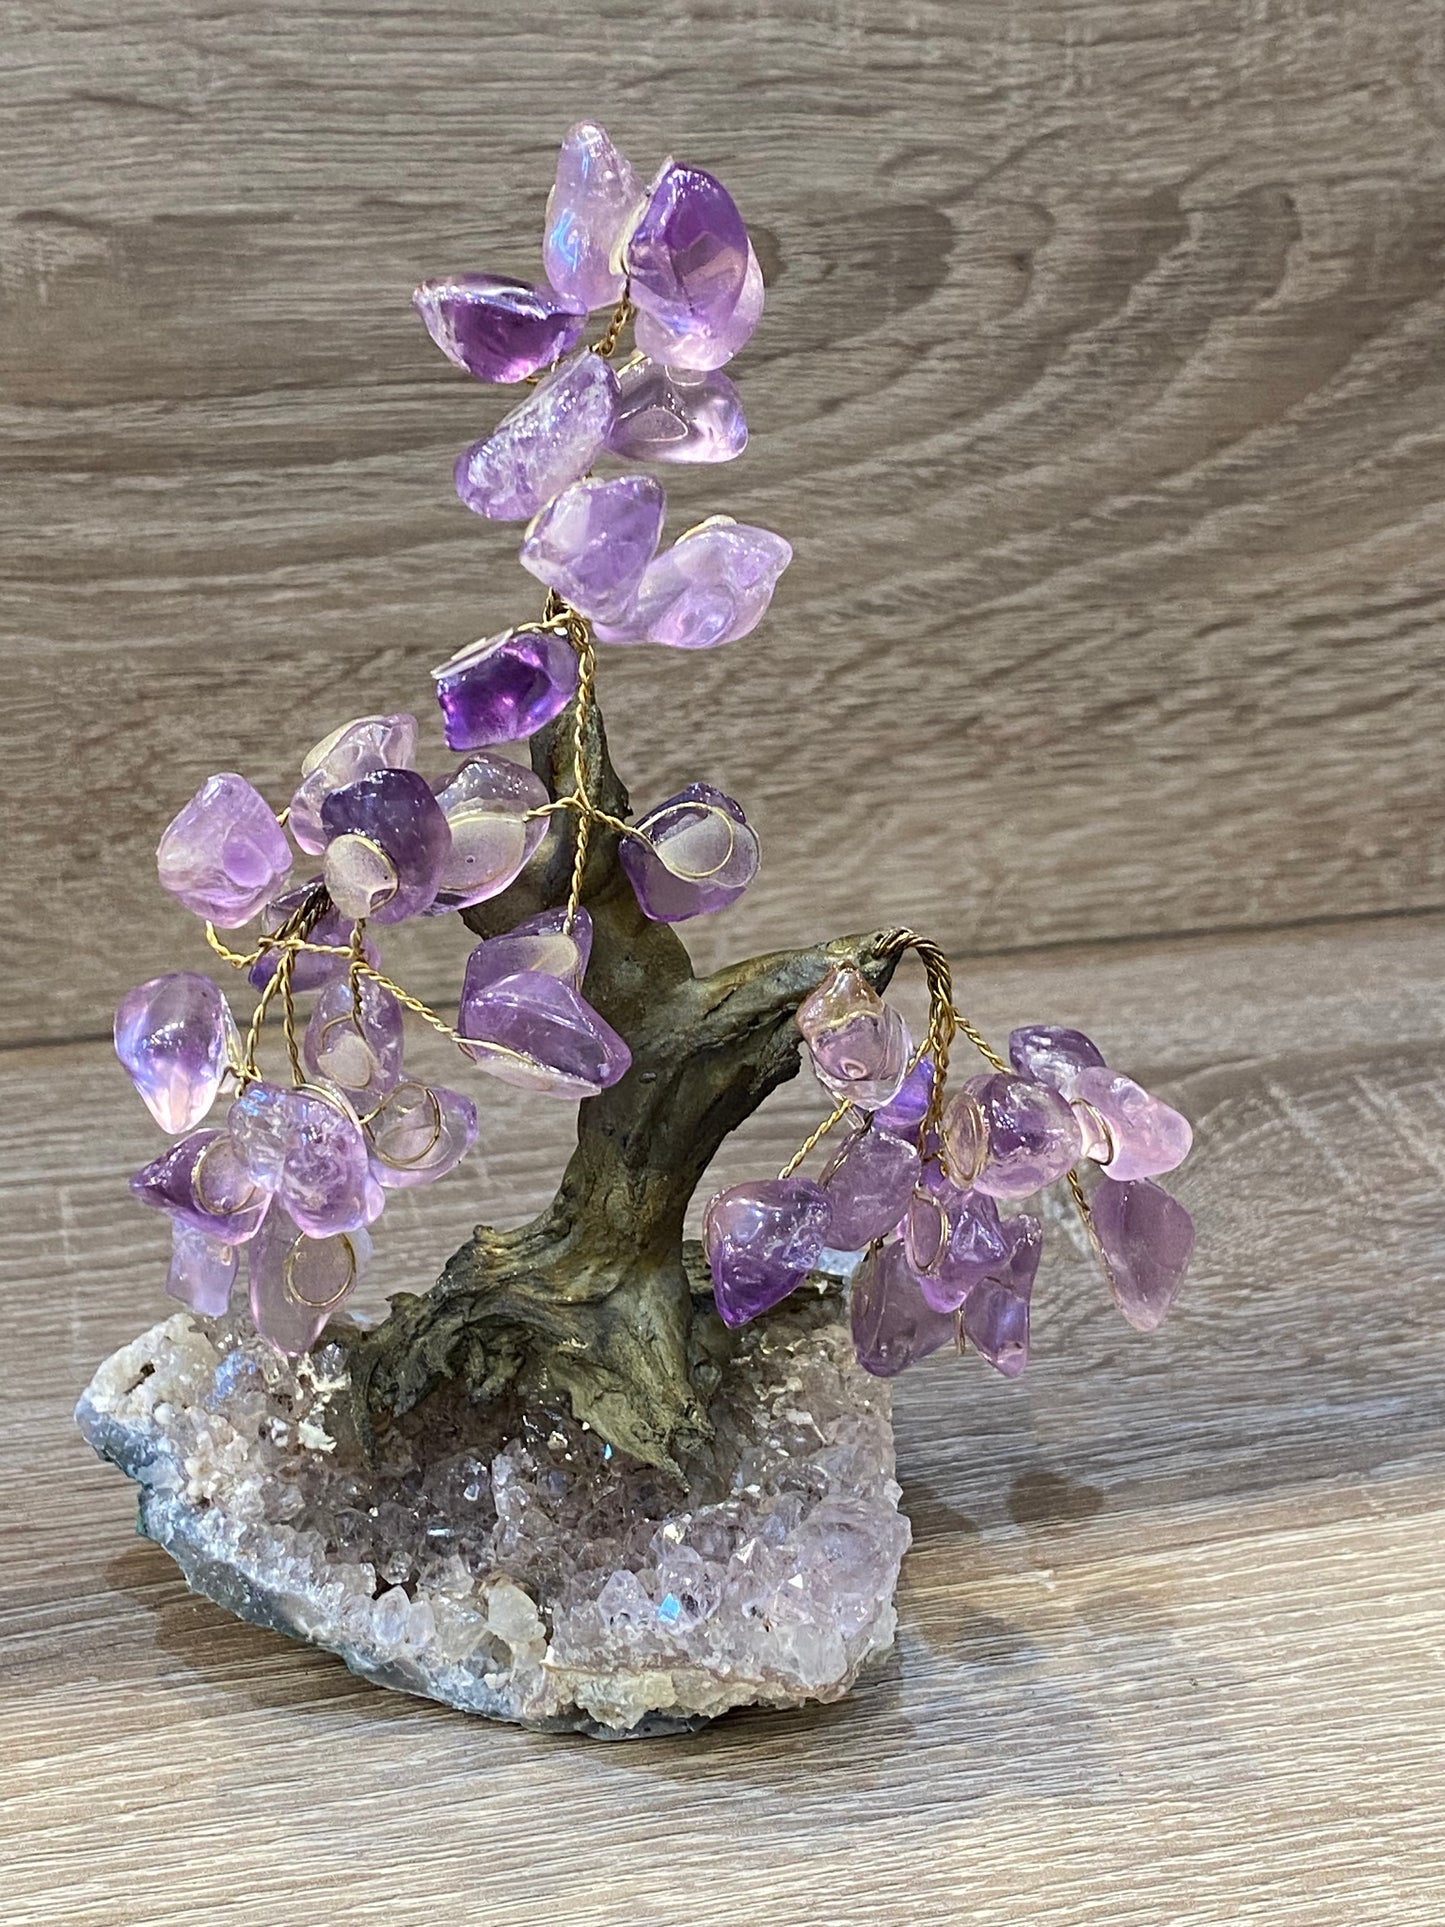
(504, 1560)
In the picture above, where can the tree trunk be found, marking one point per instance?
(598, 1297)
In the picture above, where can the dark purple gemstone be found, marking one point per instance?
(505, 687)
(701, 855)
(762, 1240)
(893, 1324)
(388, 847)
(498, 329)
(868, 1185)
(687, 257)
(202, 1182)
(542, 943)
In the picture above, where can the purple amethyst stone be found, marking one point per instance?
(868, 1185)
(1033, 1136)
(538, 1032)
(202, 1182)
(676, 415)
(704, 348)
(700, 855)
(996, 1310)
(712, 586)
(1053, 1055)
(591, 201)
(687, 257)
(1147, 1239)
(172, 1034)
(505, 687)
(893, 1324)
(547, 442)
(389, 845)
(762, 1240)
(592, 544)
(498, 329)
(224, 854)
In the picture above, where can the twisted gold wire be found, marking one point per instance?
(621, 315)
(815, 1138)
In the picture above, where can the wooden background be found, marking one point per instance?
(1102, 392)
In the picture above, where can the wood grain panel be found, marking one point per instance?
(1170, 1632)
(1100, 390)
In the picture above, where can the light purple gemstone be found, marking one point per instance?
(591, 201)
(676, 415)
(493, 838)
(202, 1272)
(1033, 1136)
(307, 1147)
(974, 1242)
(1147, 1239)
(703, 855)
(223, 856)
(310, 972)
(868, 1185)
(360, 1052)
(1148, 1136)
(687, 257)
(202, 1182)
(996, 1311)
(420, 1133)
(538, 1032)
(541, 943)
(859, 1045)
(904, 1113)
(388, 847)
(505, 687)
(354, 750)
(171, 1034)
(498, 329)
(299, 1283)
(712, 586)
(1053, 1055)
(893, 1324)
(762, 1240)
(702, 348)
(593, 544)
(547, 441)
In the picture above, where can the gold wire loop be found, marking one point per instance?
(288, 1278)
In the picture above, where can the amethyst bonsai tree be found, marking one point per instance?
(635, 1345)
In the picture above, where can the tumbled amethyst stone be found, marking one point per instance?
(594, 542)
(700, 856)
(310, 971)
(761, 1240)
(224, 854)
(486, 806)
(1053, 1055)
(868, 1184)
(355, 1040)
(298, 1283)
(859, 1045)
(505, 687)
(420, 1133)
(543, 943)
(1146, 1135)
(354, 750)
(202, 1182)
(1147, 1239)
(712, 586)
(676, 415)
(1033, 1136)
(172, 1036)
(591, 201)
(388, 847)
(547, 442)
(893, 1324)
(498, 329)
(704, 348)
(203, 1270)
(973, 1241)
(539, 1032)
(996, 1310)
(306, 1146)
(687, 257)
(904, 1113)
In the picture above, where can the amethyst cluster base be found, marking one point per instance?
(503, 1560)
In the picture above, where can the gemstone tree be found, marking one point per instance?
(578, 987)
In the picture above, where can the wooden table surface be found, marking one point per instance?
(1101, 392)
